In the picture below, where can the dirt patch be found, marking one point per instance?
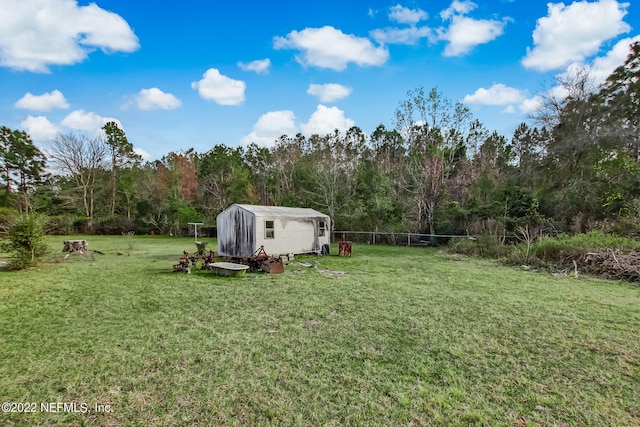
(332, 273)
(304, 264)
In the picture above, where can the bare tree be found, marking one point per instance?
(576, 84)
(330, 170)
(82, 157)
(432, 127)
(572, 112)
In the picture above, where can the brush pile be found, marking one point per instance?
(608, 264)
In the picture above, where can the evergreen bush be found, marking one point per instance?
(7, 216)
(25, 241)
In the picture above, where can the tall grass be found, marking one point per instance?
(543, 250)
(551, 249)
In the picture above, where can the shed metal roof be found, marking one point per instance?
(259, 210)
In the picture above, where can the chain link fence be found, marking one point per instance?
(391, 238)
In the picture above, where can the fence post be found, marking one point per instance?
(374, 237)
(408, 239)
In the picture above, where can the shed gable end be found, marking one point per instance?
(236, 232)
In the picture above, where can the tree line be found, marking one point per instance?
(437, 171)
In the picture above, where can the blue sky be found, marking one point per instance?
(197, 73)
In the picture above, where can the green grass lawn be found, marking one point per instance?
(405, 337)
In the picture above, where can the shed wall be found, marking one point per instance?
(292, 234)
(236, 232)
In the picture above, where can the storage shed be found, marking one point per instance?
(242, 229)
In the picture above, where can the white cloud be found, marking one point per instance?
(259, 66)
(219, 88)
(271, 126)
(531, 105)
(155, 99)
(602, 67)
(571, 33)
(329, 92)
(409, 36)
(142, 153)
(404, 15)
(457, 8)
(498, 94)
(464, 33)
(81, 120)
(325, 120)
(39, 128)
(44, 102)
(37, 34)
(328, 47)
(595, 73)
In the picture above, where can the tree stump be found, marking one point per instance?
(75, 246)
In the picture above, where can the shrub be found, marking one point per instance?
(489, 242)
(550, 248)
(492, 246)
(112, 225)
(463, 246)
(623, 226)
(25, 241)
(129, 238)
(61, 225)
(487, 246)
(108, 224)
(83, 225)
(7, 216)
(488, 227)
